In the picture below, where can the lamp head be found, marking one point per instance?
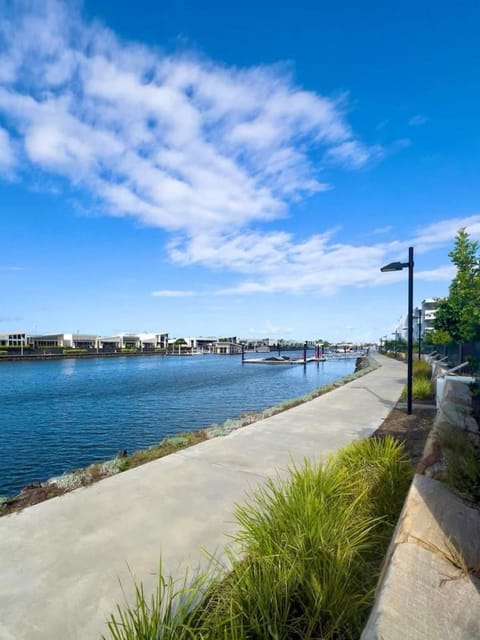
(394, 266)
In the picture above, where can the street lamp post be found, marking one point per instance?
(398, 266)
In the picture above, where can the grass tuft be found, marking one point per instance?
(422, 369)
(307, 557)
(422, 389)
(167, 615)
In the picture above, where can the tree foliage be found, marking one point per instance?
(459, 313)
(440, 336)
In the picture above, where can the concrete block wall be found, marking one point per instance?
(430, 585)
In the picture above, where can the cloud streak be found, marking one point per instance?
(278, 263)
(418, 120)
(173, 293)
(210, 153)
(176, 141)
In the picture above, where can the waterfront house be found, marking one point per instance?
(134, 341)
(227, 347)
(16, 339)
(201, 344)
(63, 341)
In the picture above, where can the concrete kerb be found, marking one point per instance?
(61, 560)
(429, 588)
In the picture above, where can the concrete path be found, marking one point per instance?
(61, 561)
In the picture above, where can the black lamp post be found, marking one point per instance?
(398, 266)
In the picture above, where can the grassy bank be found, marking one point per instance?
(307, 557)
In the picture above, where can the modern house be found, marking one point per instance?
(17, 339)
(138, 341)
(429, 312)
(91, 342)
(227, 347)
(63, 341)
(201, 344)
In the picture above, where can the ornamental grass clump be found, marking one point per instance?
(307, 555)
(422, 389)
(167, 615)
(422, 369)
(422, 385)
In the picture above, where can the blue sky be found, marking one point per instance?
(207, 168)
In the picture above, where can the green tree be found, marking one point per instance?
(437, 337)
(459, 313)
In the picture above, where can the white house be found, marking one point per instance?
(16, 339)
(64, 341)
(429, 312)
(226, 347)
(140, 341)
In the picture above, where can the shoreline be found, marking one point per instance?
(53, 487)
(78, 356)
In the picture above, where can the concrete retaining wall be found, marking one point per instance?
(430, 585)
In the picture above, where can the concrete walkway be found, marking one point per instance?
(61, 561)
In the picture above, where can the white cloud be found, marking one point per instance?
(386, 229)
(352, 153)
(12, 268)
(177, 141)
(7, 155)
(444, 231)
(445, 272)
(270, 329)
(173, 293)
(205, 151)
(418, 120)
(277, 262)
(401, 143)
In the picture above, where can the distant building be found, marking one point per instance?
(17, 339)
(201, 344)
(227, 347)
(63, 341)
(429, 312)
(51, 340)
(139, 341)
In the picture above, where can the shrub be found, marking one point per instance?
(310, 550)
(421, 369)
(422, 389)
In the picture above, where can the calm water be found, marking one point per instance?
(56, 416)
